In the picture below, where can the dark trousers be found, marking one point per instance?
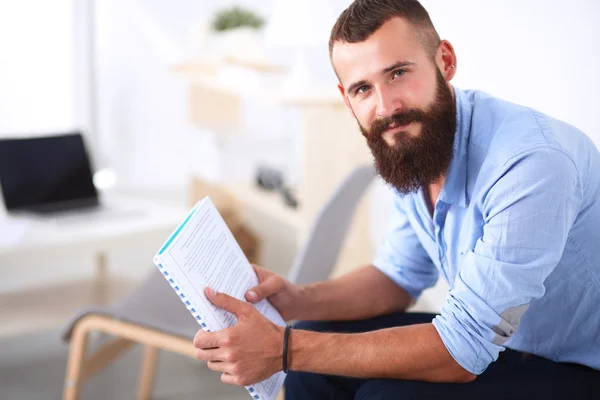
(513, 376)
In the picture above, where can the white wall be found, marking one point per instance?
(36, 66)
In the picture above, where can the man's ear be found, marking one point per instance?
(446, 60)
(346, 101)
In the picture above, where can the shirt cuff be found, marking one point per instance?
(464, 337)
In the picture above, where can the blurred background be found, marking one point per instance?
(232, 99)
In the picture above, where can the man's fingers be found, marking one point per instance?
(206, 340)
(228, 379)
(271, 286)
(226, 302)
(220, 366)
(257, 270)
(209, 354)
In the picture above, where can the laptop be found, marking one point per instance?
(47, 174)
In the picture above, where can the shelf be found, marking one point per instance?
(265, 202)
(267, 87)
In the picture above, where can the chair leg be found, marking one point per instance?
(77, 354)
(281, 395)
(148, 370)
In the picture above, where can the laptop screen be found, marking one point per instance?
(37, 173)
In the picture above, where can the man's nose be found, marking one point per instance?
(387, 104)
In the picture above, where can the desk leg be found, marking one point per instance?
(101, 284)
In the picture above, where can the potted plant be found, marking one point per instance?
(236, 34)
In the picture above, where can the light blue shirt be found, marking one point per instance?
(515, 233)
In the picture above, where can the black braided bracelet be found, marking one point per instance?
(286, 336)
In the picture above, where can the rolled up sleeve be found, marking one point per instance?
(402, 257)
(527, 214)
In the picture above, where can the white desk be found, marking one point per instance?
(128, 219)
(129, 222)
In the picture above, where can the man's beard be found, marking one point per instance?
(413, 162)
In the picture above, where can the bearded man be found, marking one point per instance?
(500, 200)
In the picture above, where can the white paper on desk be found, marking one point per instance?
(12, 231)
(202, 253)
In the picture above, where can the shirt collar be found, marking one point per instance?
(454, 190)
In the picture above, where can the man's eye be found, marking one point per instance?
(399, 73)
(362, 89)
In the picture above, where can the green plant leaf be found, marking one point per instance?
(236, 17)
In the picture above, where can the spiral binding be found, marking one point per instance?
(182, 296)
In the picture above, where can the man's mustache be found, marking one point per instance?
(399, 119)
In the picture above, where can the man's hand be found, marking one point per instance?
(281, 293)
(247, 353)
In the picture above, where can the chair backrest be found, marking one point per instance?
(318, 255)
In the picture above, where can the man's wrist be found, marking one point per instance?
(307, 350)
(303, 305)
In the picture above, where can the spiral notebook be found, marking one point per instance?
(203, 252)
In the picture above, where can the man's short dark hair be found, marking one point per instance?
(363, 17)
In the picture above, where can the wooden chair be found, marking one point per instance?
(154, 316)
